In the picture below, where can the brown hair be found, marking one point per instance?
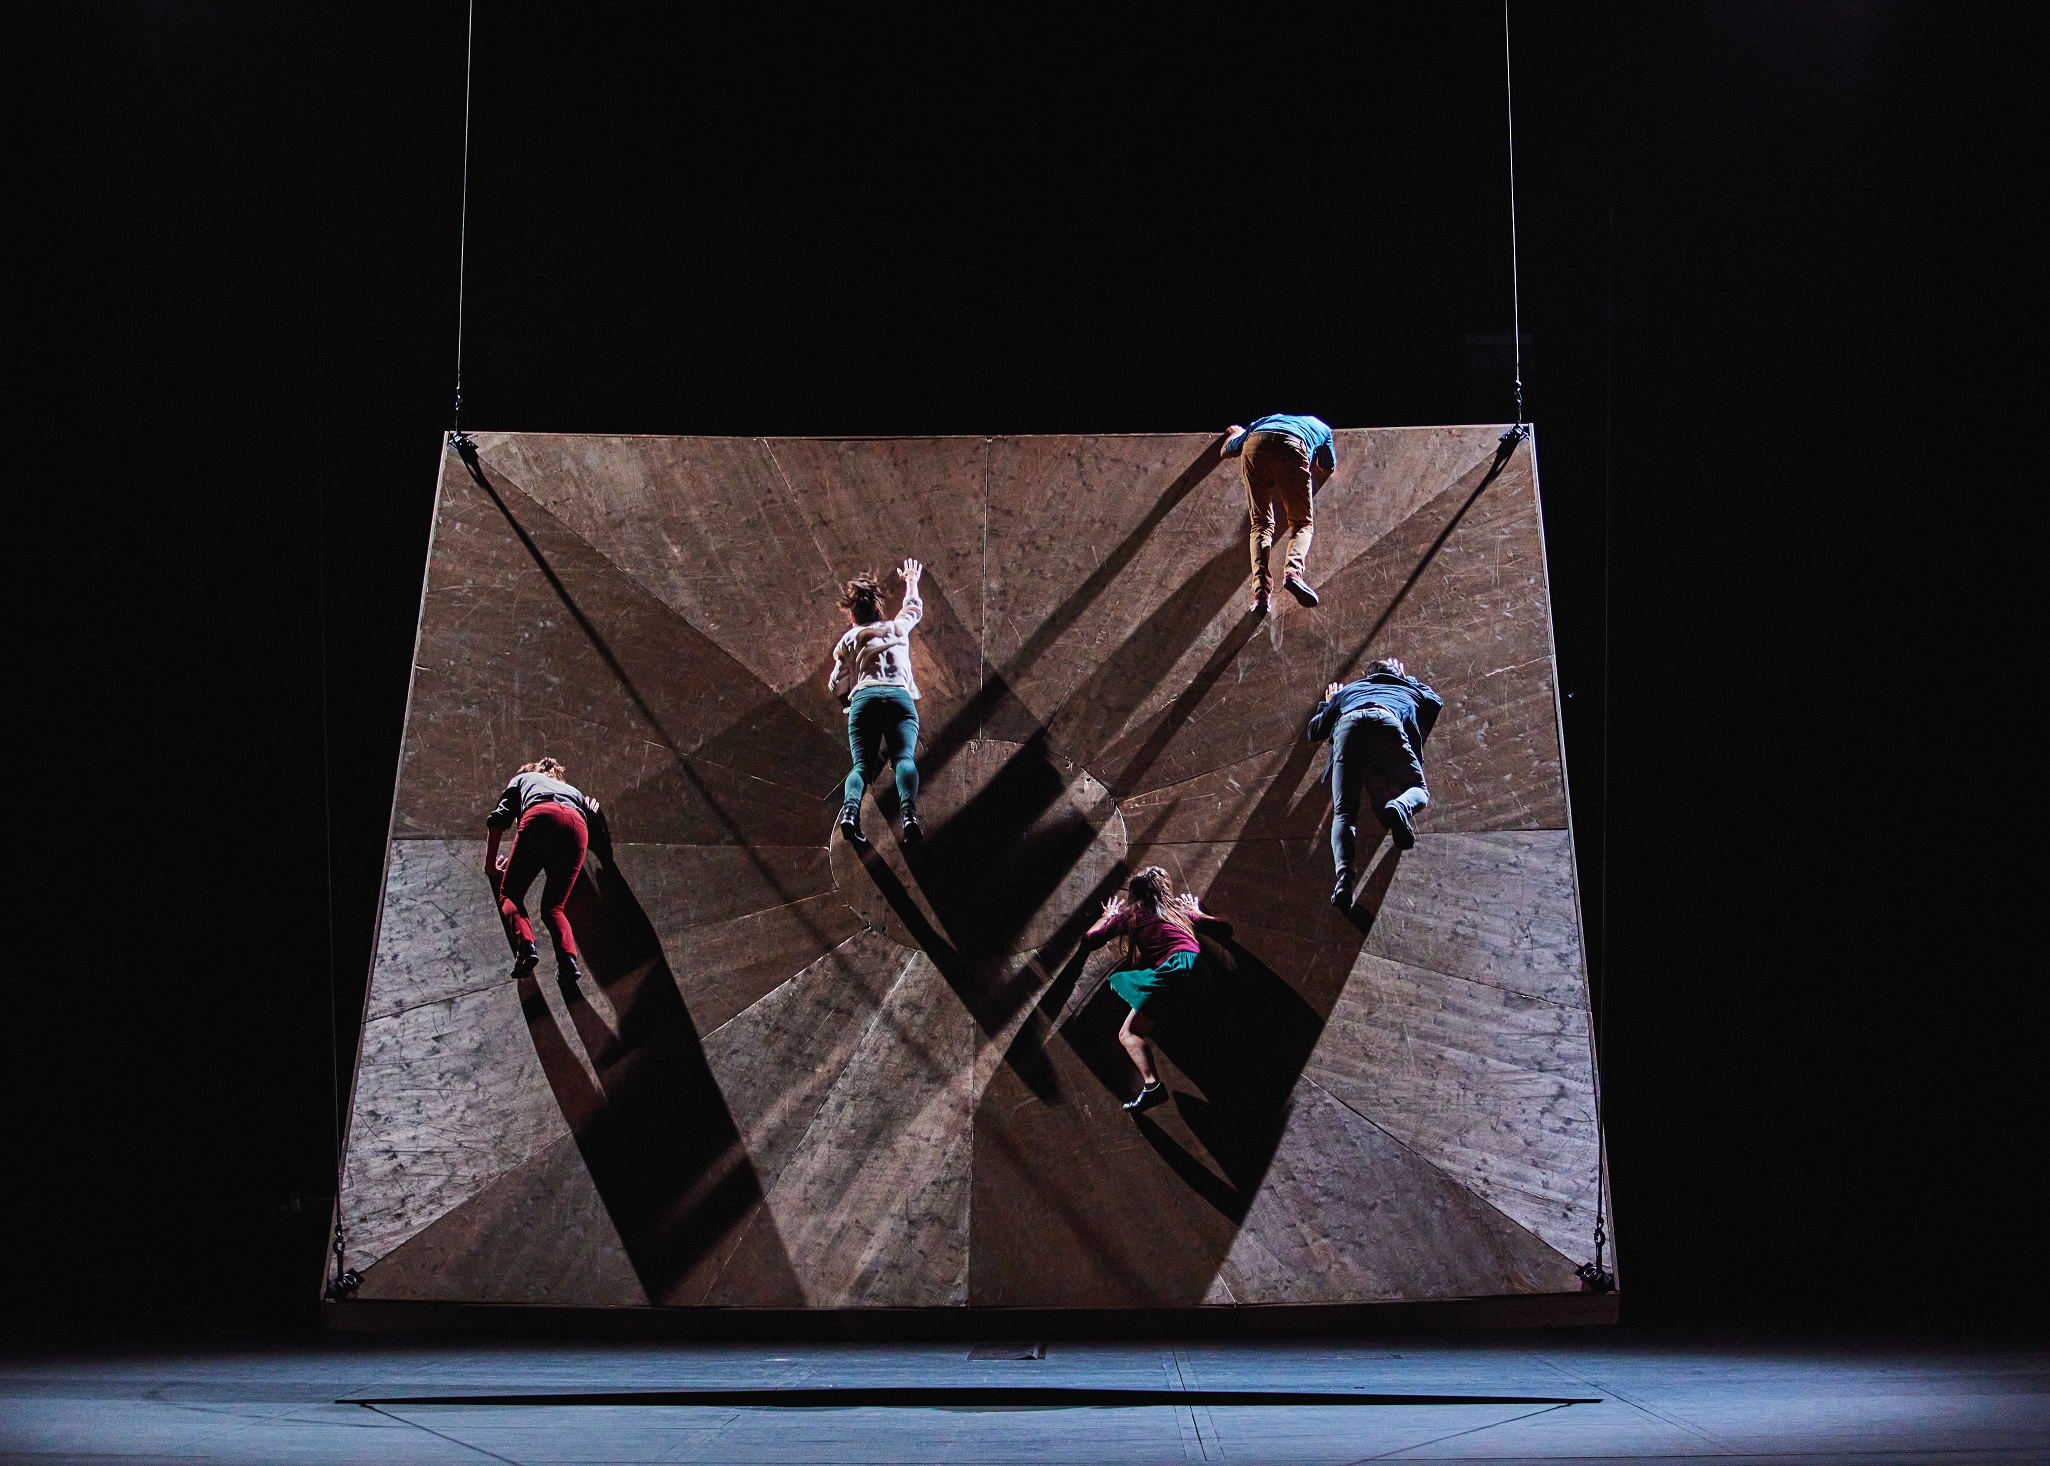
(548, 766)
(1153, 891)
(863, 598)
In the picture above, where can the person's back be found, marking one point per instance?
(1411, 701)
(552, 820)
(1377, 725)
(1283, 458)
(1312, 432)
(529, 788)
(872, 677)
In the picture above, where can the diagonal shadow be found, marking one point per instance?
(654, 1133)
(659, 1142)
(1504, 451)
(1232, 1055)
(995, 692)
(990, 867)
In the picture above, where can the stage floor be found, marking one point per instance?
(300, 1402)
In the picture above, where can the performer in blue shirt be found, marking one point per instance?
(1284, 459)
(1377, 727)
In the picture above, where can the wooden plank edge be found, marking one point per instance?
(1242, 1321)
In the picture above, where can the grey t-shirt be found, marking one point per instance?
(527, 790)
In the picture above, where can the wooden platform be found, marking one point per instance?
(803, 1078)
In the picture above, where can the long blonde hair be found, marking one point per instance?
(1153, 891)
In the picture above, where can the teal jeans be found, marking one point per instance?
(882, 724)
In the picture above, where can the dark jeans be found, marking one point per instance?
(1370, 753)
(882, 725)
(552, 837)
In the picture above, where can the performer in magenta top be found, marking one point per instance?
(1161, 958)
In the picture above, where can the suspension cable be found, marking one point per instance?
(1515, 280)
(463, 229)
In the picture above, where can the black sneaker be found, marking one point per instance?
(850, 824)
(568, 973)
(1260, 604)
(1341, 894)
(1296, 586)
(526, 957)
(913, 830)
(1400, 830)
(1146, 1098)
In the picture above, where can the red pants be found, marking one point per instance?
(551, 838)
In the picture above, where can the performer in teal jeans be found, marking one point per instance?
(872, 676)
(1161, 963)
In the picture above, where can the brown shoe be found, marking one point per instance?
(1297, 587)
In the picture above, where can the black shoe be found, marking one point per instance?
(1260, 604)
(1297, 587)
(850, 824)
(1146, 1098)
(1341, 894)
(913, 830)
(1400, 830)
(568, 973)
(526, 957)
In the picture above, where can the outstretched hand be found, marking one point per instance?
(1333, 690)
(911, 570)
(1114, 907)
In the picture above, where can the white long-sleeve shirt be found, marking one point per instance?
(878, 654)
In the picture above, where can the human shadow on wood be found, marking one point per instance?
(994, 699)
(990, 867)
(1069, 1211)
(654, 1132)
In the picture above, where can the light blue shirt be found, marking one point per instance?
(1312, 432)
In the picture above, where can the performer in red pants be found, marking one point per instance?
(552, 835)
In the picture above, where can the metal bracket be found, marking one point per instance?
(346, 1280)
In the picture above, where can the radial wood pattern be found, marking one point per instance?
(803, 1074)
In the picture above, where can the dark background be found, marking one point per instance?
(1779, 352)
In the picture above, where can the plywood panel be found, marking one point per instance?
(506, 671)
(448, 1092)
(1495, 1088)
(800, 1073)
(1348, 1213)
(539, 1234)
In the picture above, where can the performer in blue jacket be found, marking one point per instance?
(1377, 727)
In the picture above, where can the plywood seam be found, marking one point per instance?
(733, 1018)
(1449, 486)
(769, 1183)
(1273, 748)
(488, 1179)
(513, 485)
(712, 763)
(1365, 951)
(497, 982)
(1425, 1160)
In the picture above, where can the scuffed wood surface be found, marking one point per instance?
(1495, 1088)
(448, 1093)
(803, 1076)
(539, 1234)
(1349, 1213)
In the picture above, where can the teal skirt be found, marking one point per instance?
(1142, 985)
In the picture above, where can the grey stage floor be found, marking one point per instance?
(294, 1403)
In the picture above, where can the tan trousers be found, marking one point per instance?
(1277, 472)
